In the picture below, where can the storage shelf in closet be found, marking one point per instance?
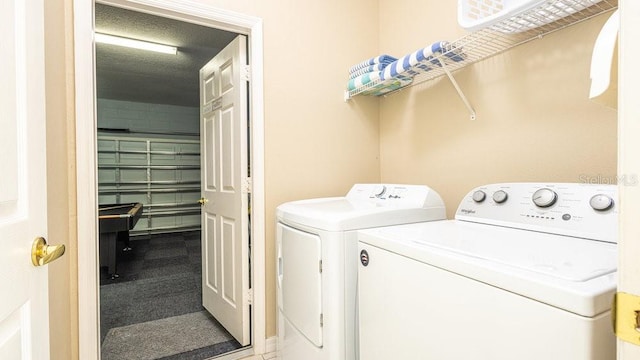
(151, 182)
(173, 205)
(165, 230)
(161, 173)
(152, 152)
(173, 213)
(152, 167)
(149, 190)
(504, 35)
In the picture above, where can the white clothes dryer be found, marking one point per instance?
(317, 263)
(525, 271)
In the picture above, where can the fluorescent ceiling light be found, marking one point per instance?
(135, 44)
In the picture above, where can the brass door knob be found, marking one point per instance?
(42, 254)
(203, 201)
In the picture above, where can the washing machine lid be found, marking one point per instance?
(342, 214)
(573, 274)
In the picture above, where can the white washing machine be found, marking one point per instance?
(317, 263)
(525, 271)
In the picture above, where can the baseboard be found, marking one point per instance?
(271, 346)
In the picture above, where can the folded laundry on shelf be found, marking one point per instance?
(381, 59)
(363, 79)
(381, 75)
(370, 68)
(388, 86)
(421, 60)
(371, 82)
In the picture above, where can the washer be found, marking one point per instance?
(525, 271)
(317, 264)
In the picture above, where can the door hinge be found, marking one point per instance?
(246, 73)
(250, 296)
(321, 320)
(247, 186)
(625, 317)
(320, 266)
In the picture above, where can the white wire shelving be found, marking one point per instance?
(535, 23)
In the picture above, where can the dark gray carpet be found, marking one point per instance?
(157, 339)
(159, 279)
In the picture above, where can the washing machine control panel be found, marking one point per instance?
(395, 195)
(581, 210)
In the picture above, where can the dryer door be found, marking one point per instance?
(300, 281)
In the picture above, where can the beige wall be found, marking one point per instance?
(534, 119)
(61, 179)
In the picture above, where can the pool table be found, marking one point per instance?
(115, 221)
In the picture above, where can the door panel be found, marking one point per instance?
(24, 314)
(301, 281)
(228, 262)
(225, 167)
(226, 74)
(227, 153)
(11, 336)
(208, 88)
(210, 254)
(210, 136)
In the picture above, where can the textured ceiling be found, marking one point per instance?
(143, 76)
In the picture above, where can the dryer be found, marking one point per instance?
(317, 263)
(525, 271)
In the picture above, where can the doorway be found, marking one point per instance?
(205, 16)
(149, 139)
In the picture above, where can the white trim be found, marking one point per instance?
(244, 354)
(88, 276)
(271, 348)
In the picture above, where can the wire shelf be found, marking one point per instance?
(502, 36)
(149, 182)
(152, 152)
(150, 167)
(189, 189)
(163, 230)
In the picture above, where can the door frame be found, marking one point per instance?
(628, 159)
(86, 155)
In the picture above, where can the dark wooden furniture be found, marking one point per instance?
(115, 221)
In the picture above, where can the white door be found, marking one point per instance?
(24, 313)
(629, 160)
(225, 212)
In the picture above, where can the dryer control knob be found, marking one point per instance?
(500, 196)
(544, 197)
(601, 202)
(479, 196)
(379, 190)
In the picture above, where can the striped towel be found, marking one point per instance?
(420, 60)
(382, 59)
(370, 68)
(363, 80)
(388, 86)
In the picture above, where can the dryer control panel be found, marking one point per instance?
(580, 210)
(395, 195)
